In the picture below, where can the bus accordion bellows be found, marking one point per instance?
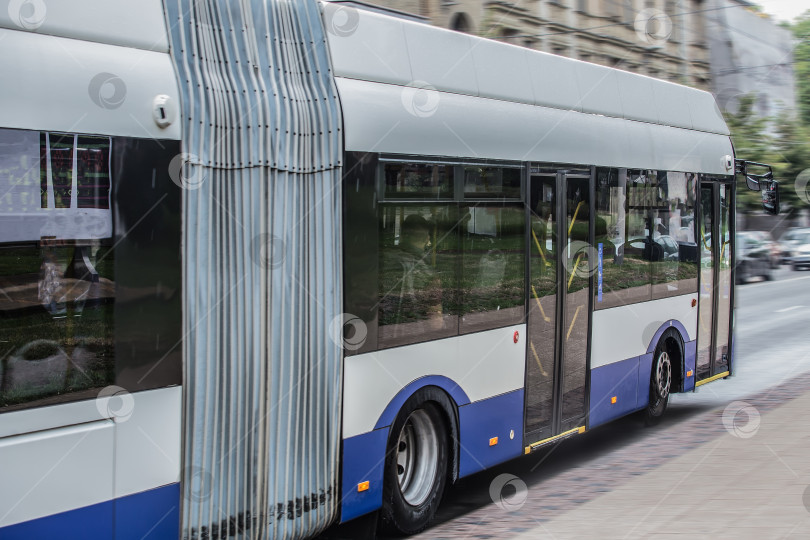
(270, 266)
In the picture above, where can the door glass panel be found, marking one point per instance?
(579, 260)
(542, 306)
(704, 343)
(723, 282)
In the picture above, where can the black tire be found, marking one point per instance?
(410, 500)
(768, 275)
(794, 267)
(660, 383)
(741, 277)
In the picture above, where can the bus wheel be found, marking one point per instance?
(660, 384)
(415, 468)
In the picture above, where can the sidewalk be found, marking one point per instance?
(739, 472)
(746, 483)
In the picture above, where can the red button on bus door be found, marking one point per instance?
(516, 337)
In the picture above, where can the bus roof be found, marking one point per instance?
(374, 47)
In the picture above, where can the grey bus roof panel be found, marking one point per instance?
(441, 59)
(510, 81)
(376, 120)
(62, 93)
(554, 81)
(599, 90)
(377, 50)
(373, 50)
(128, 23)
(672, 102)
(637, 96)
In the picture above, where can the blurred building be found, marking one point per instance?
(661, 38)
(750, 54)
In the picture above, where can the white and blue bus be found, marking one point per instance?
(270, 266)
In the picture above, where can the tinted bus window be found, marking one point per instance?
(89, 278)
(622, 233)
(493, 288)
(675, 261)
(418, 271)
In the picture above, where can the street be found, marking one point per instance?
(773, 350)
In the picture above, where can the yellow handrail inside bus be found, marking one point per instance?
(537, 243)
(537, 299)
(573, 219)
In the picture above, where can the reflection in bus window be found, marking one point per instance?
(57, 286)
(493, 267)
(674, 269)
(83, 306)
(621, 233)
(417, 286)
(416, 180)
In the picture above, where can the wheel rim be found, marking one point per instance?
(663, 375)
(417, 456)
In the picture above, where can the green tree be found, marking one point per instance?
(801, 58)
(752, 143)
(782, 142)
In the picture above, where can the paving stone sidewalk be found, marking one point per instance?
(738, 472)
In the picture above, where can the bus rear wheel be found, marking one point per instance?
(660, 384)
(415, 468)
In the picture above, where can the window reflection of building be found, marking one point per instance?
(77, 304)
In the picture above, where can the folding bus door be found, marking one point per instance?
(559, 295)
(715, 233)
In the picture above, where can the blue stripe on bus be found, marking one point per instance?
(363, 461)
(481, 421)
(690, 353)
(622, 381)
(153, 514)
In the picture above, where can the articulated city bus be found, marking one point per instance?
(270, 266)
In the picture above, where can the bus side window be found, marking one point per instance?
(675, 272)
(622, 202)
(493, 268)
(417, 282)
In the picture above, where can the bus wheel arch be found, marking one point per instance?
(421, 459)
(666, 374)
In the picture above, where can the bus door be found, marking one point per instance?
(715, 230)
(559, 294)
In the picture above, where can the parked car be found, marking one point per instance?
(799, 256)
(753, 258)
(789, 240)
(774, 250)
(663, 248)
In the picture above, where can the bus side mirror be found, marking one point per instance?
(770, 197)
